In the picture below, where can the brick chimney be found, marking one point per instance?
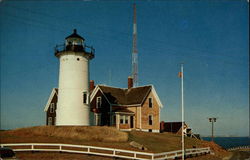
(130, 82)
(91, 85)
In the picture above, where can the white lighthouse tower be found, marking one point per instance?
(73, 107)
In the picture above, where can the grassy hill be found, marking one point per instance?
(105, 137)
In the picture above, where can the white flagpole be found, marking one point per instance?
(182, 112)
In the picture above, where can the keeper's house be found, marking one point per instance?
(133, 108)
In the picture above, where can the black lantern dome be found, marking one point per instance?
(74, 35)
(74, 42)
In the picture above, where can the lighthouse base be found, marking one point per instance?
(69, 118)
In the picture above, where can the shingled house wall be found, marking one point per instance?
(154, 111)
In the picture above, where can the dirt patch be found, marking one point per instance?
(57, 156)
(240, 155)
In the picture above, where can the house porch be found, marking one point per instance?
(125, 121)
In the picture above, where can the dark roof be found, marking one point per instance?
(75, 35)
(119, 109)
(121, 96)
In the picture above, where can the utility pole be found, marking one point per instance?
(134, 51)
(181, 75)
(212, 120)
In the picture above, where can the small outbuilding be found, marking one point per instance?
(175, 127)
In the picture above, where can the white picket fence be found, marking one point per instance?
(102, 151)
(238, 148)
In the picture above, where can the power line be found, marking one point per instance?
(194, 53)
(56, 18)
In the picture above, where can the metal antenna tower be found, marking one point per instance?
(135, 52)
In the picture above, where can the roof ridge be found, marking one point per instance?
(124, 88)
(126, 96)
(111, 86)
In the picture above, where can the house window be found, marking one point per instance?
(150, 119)
(49, 121)
(98, 119)
(126, 119)
(85, 98)
(98, 102)
(150, 102)
(52, 108)
(121, 119)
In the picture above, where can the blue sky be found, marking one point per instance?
(211, 37)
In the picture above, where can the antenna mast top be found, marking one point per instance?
(134, 51)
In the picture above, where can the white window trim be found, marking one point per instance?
(98, 98)
(52, 108)
(98, 119)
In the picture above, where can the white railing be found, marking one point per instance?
(102, 151)
(178, 153)
(238, 148)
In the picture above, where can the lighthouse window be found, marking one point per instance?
(85, 97)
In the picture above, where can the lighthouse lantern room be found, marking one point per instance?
(73, 107)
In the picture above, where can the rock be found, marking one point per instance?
(138, 145)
